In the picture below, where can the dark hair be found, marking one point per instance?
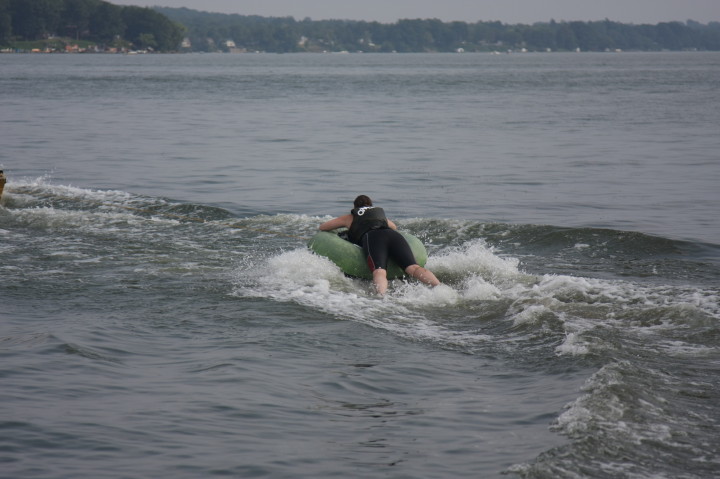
(361, 201)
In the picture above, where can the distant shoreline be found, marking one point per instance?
(494, 52)
(107, 28)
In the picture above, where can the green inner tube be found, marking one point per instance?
(350, 258)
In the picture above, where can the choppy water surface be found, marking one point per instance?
(162, 316)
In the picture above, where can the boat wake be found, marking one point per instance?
(485, 296)
(622, 305)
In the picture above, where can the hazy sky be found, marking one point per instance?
(506, 11)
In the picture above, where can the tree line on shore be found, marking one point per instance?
(210, 31)
(95, 21)
(163, 29)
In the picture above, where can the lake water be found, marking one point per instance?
(161, 315)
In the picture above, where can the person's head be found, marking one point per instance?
(361, 201)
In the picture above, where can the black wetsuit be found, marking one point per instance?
(370, 230)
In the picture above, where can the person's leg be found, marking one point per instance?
(380, 281)
(375, 246)
(422, 274)
(401, 252)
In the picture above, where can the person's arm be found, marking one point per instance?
(392, 225)
(339, 222)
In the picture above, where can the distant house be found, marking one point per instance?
(232, 48)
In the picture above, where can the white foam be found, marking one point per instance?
(478, 289)
(305, 278)
(575, 419)
(300, 267)
(53, 218)
(586, 304)
(598, 404)
(530, 314)
(680, 349)
(612, 405)
(475, 273)
(476, 258)
(413, 293)
(27, 188)
(573, 345)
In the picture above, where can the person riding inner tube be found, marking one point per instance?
(369, 228)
